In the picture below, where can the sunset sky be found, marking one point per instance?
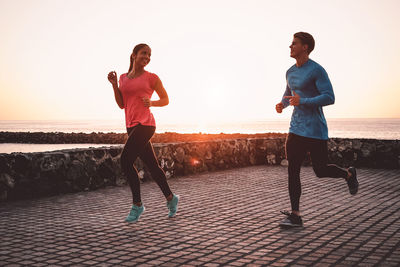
(218, 60)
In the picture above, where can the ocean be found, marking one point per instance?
(388, 129)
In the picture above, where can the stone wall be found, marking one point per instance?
(367, 153)
(62, 138)
(29, 175)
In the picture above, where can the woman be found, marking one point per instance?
(133, 95)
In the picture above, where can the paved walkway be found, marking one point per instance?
(225, 218)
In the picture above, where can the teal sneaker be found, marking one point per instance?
(173, 205)
(135, 213)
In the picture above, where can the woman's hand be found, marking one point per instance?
(112, 77)
(146, 102)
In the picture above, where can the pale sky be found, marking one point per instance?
(218, 60)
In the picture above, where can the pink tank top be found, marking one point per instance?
(133, 91)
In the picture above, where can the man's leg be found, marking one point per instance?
(295, 153)
(319, 157)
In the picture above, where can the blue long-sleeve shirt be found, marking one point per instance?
(311, 82)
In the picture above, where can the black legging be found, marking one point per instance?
(139, 145)
(296, 149)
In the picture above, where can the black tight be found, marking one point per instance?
(296, 149)
(139, 145)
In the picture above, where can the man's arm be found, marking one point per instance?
(284, 100)
(324, 87)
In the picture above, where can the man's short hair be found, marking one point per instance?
(306, 39)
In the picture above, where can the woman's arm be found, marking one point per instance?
(162, 94)
(112, 77)
(118, 96)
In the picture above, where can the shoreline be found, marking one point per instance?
(113, 138)
(119, 138)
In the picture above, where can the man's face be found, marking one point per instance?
(297, 49)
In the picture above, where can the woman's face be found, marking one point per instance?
(143, 57)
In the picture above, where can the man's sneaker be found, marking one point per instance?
(352, 181)
(135, 213)
(292, 220)
(173, 205)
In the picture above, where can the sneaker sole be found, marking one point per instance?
(288, 225)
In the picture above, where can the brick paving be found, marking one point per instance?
(225, 218)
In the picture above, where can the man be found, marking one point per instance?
(308, 89)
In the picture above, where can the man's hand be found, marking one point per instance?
(293, 100)
(279, 107)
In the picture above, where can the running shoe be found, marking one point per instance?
(173, 205)
(352, 181)
(292, 220)
(135, 213)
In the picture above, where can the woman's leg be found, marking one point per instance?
(149, 158)
(137, 140)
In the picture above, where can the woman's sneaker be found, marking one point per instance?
(173, 205)
(352, 181)
(292, 220)
(135, 213)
